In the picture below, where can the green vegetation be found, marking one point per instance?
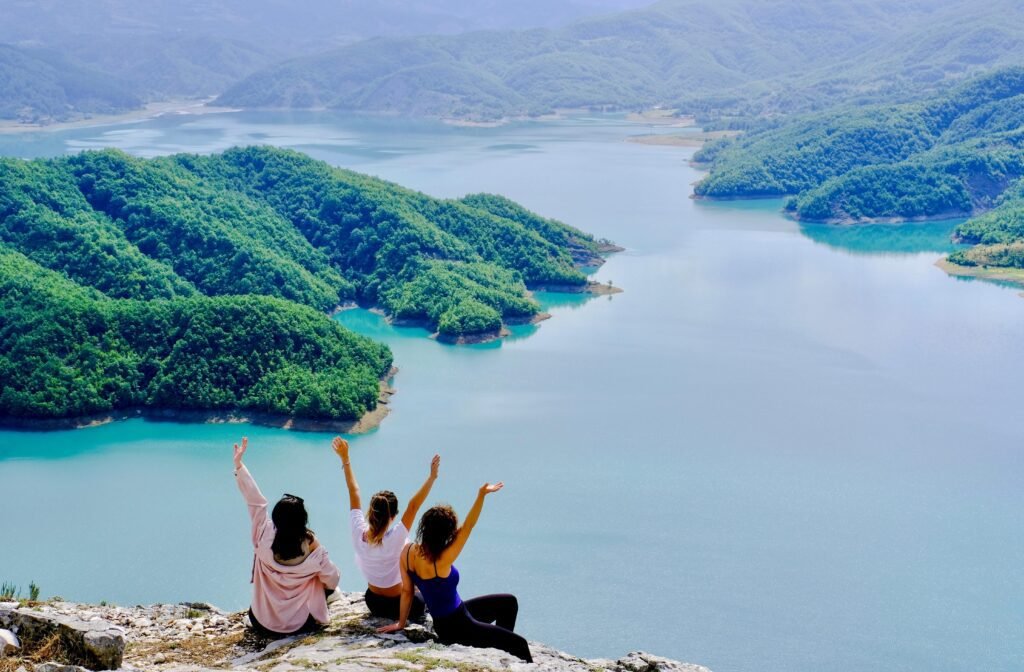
(192, 282)
(67, 350)
(959, 154)
(12, 592)
(400, 249)
(997, 236)
(40, 87)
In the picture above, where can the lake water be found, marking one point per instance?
(783, 448)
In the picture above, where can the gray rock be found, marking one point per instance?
(96, 644)
(168, 642)
(57, 667)
(8, 643)
(638, 661)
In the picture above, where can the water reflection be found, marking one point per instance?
(874, 239)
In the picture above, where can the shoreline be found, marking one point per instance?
(999, 274)
(882, 220)
(149, 111)
(690, 140)
(194, 106)
(368, 422)
(591, 287)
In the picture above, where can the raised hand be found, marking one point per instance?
(488, 488)
(240, 451)
(435, 465)
(340, 446)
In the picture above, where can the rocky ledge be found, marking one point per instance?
(196, 637)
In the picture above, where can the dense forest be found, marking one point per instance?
(68, 350)
(204, 281)
(959, 154)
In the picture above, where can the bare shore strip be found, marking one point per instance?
(149, 111)
(696, 139)
(369, 421)
(994, 273)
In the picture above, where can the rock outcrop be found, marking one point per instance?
(92, 643)
(196, 637)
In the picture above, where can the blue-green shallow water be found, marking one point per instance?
(783, 448)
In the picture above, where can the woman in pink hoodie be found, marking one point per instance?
(291, 574)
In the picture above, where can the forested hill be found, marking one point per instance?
(39, 86)
(741, 55)
(204, 281)
(953, 155)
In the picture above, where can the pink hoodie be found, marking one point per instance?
(284, 596)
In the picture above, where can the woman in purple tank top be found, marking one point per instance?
(486, 622)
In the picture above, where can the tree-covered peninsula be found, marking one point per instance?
(204, 282)
(960, 154)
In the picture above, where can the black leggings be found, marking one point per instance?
(470, 624)
(389, 607)
(311, 625)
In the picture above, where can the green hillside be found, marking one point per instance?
(204, 281)
(67, 351)
(958, 154)
(38, 86)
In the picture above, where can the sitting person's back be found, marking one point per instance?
(488, 621)
(291, 574)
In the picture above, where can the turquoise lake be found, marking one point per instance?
(783, 448)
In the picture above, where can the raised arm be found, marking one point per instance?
(405, 604)
(409, 517)
(255, 500)
(452, 552)
(341, 448)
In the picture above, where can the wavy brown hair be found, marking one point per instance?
(437, 530)
(383, 508)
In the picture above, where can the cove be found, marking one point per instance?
(781, 448)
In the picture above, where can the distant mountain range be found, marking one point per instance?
(728, 61)
(732, 57)
(65, 59)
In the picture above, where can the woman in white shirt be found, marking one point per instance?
(378, 543)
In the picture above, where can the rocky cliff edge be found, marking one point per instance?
(58, 636)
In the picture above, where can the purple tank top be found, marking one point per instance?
(440, 594)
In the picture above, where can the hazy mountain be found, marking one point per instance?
(39, 86)
(946, 42)
(676, 50)
(283, 25)
(159, 49)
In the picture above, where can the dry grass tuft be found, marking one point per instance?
(12, 663)
(216, 652)
(51, 648)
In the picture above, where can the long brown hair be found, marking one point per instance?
(437, 530)
(383, 507)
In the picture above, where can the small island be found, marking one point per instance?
(201, 287)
